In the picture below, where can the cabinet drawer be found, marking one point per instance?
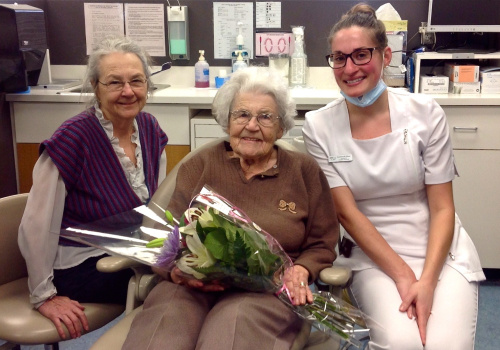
(474, 127)
(208, 130)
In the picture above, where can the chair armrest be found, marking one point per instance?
(336, 276)
(146, 284)
(139, 285)
(117, 263)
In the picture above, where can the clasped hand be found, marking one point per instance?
(296, 280)
(417, 299)
(60, 309)
(179, 277)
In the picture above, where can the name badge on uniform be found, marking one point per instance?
(340, 158)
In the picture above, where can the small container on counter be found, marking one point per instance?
(221, 78)
(202, 72)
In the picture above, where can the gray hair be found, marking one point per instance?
(108, 46)
(258, 80)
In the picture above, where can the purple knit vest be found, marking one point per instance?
(95, 181)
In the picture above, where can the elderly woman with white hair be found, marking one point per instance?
(255, 109)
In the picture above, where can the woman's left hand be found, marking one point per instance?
(179, 277)
(297, 283)
(421, 296)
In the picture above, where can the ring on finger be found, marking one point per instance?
(302, 284)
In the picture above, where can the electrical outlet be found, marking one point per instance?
(426, 38)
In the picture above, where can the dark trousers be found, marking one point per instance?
(85, 284)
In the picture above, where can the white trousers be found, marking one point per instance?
(452, 324)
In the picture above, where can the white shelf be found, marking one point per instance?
(419, 57)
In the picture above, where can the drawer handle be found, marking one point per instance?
(464, 129)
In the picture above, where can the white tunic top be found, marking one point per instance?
(387, 174)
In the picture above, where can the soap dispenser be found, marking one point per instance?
(298, 63)
(201, 72)
(240, 46)
(240, 63)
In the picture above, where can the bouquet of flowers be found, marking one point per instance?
(216, 241)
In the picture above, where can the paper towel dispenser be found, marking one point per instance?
(23, 46)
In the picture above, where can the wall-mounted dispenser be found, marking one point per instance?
(178, 32)
(23, 46)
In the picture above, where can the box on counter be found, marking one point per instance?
(465, 88)
(490, 89)
(489, 77)
(395, 80)
(462, 73)
(434, 84)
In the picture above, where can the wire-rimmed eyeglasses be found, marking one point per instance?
(243, 117)
(116, 85)
(359, 57)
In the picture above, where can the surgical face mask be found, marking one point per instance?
(371, 96)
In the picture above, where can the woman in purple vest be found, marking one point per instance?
(106, 160)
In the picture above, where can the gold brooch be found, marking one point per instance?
(290, 206)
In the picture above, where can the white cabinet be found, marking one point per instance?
(37, 121)
(424, 65)
(174, 120)
(204, 128)
(474, 133)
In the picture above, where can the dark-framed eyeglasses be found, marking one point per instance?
(117, 85)
(359, 57)
(243, 117)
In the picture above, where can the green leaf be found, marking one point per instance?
(216, 243)
(201, 232)
(239, 253)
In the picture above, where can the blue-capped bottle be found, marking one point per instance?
(202, 72)
(240, 63)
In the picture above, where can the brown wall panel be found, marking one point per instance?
(66, 26)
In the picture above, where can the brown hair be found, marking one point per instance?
(363, 16)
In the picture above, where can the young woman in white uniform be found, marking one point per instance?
(388, 158)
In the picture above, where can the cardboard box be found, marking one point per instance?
(467, 73)
(490, 89)
(434, 84)
(396, 80)
(490, 78)
(465, 88)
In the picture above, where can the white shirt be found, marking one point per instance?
(41, 223)
(387, 174)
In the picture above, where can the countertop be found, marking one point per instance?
(202, 98)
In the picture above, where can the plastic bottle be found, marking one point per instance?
(201, 72)
(298, 62)
(239, 64)
(240, 47)
(221, 78)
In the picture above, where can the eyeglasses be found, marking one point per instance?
(116, 85)
(243, 117)
(359, 57)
